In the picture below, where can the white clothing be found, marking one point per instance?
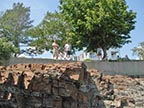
(67, 47)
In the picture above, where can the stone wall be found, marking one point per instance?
(64, 85)
(135, 68)
(131, 68)
(67, 85)
(118, 91)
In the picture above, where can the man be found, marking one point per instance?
(67, 49)
(55, 49)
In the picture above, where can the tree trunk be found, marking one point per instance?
(16, 44)
(104, 53)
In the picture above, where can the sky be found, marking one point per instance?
(40, 7)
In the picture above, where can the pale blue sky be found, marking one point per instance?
(40, 7)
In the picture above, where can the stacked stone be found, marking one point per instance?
(120, 91)
(65, 85)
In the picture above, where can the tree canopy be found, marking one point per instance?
(52, 27)
(98, 23)
(89, 24)
(14, 22)
(6, 49)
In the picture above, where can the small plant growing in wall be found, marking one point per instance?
(87, 60)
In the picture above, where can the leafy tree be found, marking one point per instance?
(14, 22)
(139, 50)
(98, 23)
(6, 49)
(52, 27)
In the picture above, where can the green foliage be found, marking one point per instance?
(6, 49)
(139, 50)
(87, 60)
(52, 27)
(14, 22)
(98, 23)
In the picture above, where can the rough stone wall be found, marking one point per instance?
(65, 85)
(120, 91)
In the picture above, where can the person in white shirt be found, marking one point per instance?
(67, 49)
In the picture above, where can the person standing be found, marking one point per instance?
(67, 49)
(55, 49)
